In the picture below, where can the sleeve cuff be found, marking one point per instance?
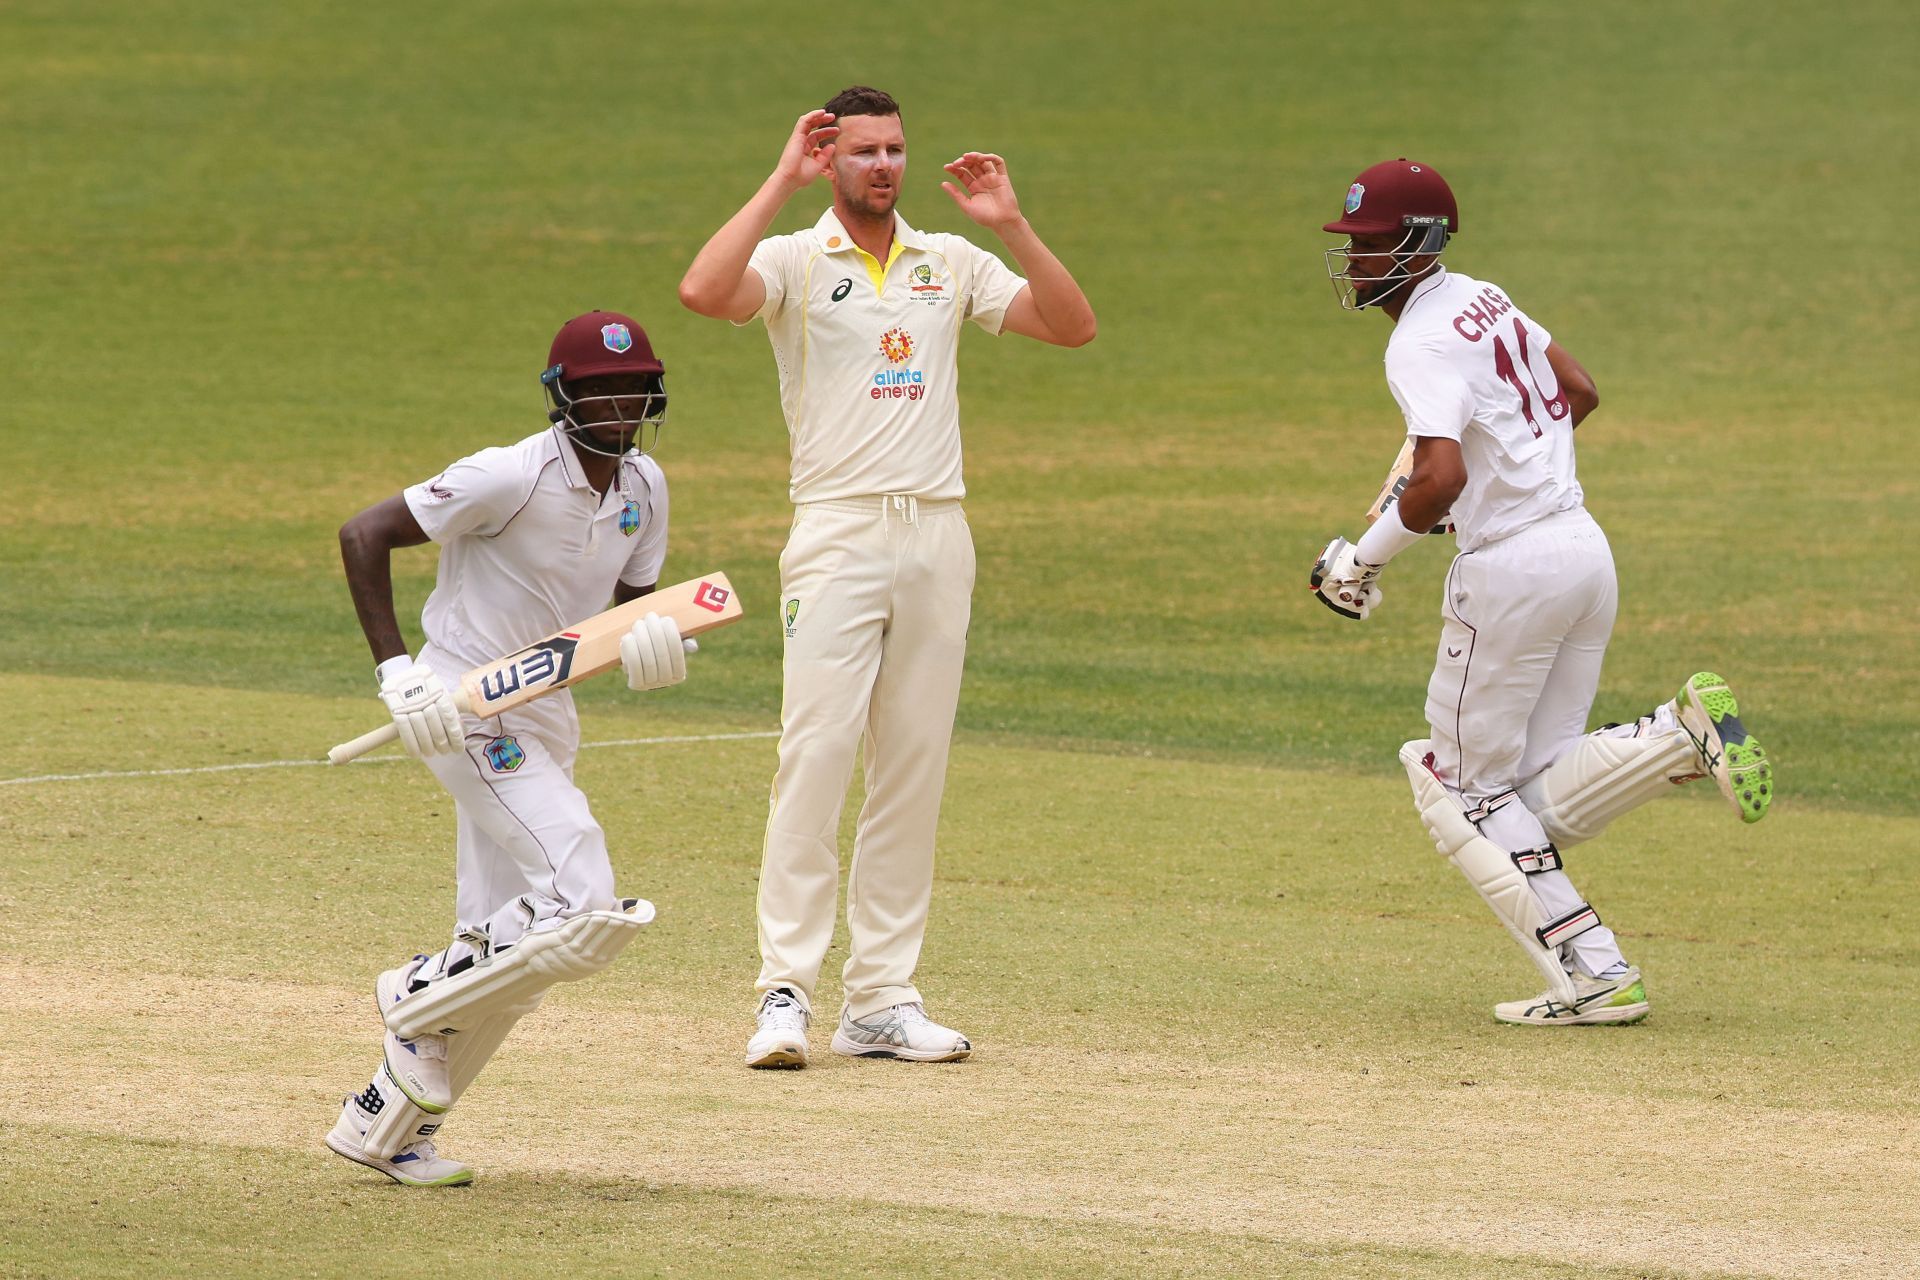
(1388, 537)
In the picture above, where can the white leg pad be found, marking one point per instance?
(470, 1050)
(511, 981)
(1602, 776)
(1494, 875)
(396, 1121)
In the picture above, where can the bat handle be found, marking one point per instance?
(366, 742)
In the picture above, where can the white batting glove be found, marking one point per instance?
(1345, 583)
(422, 710)
(653, 654)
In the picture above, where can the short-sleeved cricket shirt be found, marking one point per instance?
(527, 547)
(1466, 364)
(868, 355)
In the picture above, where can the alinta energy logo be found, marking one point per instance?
(898, 382)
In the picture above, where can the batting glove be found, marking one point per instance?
(1345, 583)
(653, 654)
(422, 710)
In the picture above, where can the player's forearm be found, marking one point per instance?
(712, 279)
(1057, 296)
(368, 562)
(1426, 501)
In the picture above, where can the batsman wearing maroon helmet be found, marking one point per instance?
(1510, 778)
(533, 536)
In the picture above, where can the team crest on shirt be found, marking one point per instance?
(630, 518)
(927, 284)
(793, 615)
(1355, 194)
(616, 338)
(504, 755)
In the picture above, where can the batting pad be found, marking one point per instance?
(1601, 777)
(511, 981)
(1494, 874)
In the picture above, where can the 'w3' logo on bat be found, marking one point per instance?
(545, 663)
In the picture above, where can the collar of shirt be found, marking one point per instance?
(1430, 285)
(833, 235)
(570, 471)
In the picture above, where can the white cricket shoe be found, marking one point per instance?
(781, 1040)
(417, 1066)
(415, 1165)
(1614, 1000)
(899, 1031)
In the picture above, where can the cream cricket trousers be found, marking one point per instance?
(1524, 628)
(529, 849)
(875, 595)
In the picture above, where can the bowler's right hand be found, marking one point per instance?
(423, 711)
(799, 166)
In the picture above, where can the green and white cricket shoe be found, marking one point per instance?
(1738, 763)
(1615, 1001)
(899, 1031)
(415, 1165)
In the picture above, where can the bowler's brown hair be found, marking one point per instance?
(859, 100)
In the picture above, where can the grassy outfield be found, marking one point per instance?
(1224, 1028)
(266, 264)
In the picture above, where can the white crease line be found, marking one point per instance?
(321, 764)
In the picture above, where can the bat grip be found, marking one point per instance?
(366, 742)
(388, 732)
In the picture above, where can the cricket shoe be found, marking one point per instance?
(1616, 1000)
(1737, 762)
(417, 1066)
(415, 1165)
(899, 1031)
(781, 1040)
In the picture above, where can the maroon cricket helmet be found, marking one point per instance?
(600, 342)
(1396, 195)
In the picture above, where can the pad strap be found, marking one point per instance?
(1535, 861)
(1479, 813)
(1556, 933)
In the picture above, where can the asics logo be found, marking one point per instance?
(1704, 746)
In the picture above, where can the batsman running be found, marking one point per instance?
(1509, 778)
(876, 581)
(532, 537)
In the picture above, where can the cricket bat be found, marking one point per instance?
(567, 657)
(1396, 484)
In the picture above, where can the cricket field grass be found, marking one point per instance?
(266, 264)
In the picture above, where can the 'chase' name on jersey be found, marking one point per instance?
(1481, 312)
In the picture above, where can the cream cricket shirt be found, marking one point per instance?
(868, 355)
(526, 547)
(1466, 364)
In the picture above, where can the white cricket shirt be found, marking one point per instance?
(527, 547)
(1466, 364)
(868, 355)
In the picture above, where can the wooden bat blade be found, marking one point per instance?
(573, 654)
(1396, 482)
